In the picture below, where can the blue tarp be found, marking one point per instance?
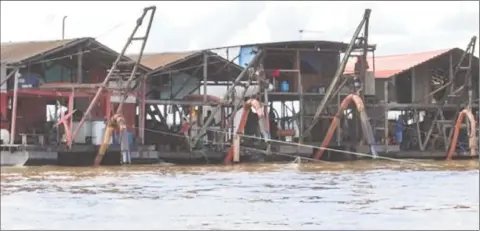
(246, 55)
(29, 80)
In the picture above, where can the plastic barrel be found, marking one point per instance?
(284, 87)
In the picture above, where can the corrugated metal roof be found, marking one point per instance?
(390, 65)
(15, 52)
(158, 60)
(293, 44)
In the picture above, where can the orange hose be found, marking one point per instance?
(117, 121)
(472, 141)
(103, 147)
(243, 121)
(360, 107)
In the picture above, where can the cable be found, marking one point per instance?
(294, 144)
(250, 148)
(316, 147)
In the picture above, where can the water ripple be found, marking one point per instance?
(380, 195)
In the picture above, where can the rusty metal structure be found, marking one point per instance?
(297, 98)
(35, 59)
(117, 121)
(308, 131)
(267, 70)
(418, 139)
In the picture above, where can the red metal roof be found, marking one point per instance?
(390, 65)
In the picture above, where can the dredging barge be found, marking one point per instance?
(259, 118)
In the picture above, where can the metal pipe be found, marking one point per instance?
(338, 73)
(142, 110)
(63, 26)
(301, 100)
(142, 48)
(205, 72)
(71, 105)
(14, 107)
(107, 78)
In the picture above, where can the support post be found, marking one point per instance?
(385, 122)
(57, 132)
(80, 65)
(205, 73)
(450, 71)
(174, 112)
(412, 84)
(430, 130)
(71, 104)
(441, 128)
(468, 77)
(14, 106)
(364, 67)
(265, 112)
(63, 26)
(300, 90)
(339, 125)
(141, 116)
(416, 116)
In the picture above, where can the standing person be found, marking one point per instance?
(399, 129)
(209, 132)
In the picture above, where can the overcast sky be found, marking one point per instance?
(397, 27)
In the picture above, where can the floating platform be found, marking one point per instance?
(79, 155)
(83, 155)
(433, 155)
(13, 155)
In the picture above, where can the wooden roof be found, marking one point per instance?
(15, 52)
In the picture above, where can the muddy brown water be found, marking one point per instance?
(353, 195)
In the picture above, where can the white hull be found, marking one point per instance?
(16, 158)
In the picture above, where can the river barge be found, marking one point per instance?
(318, 100)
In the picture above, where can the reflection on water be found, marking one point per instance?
(356, 195)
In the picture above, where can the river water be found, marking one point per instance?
(354, 195)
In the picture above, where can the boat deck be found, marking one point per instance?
(78, 155)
